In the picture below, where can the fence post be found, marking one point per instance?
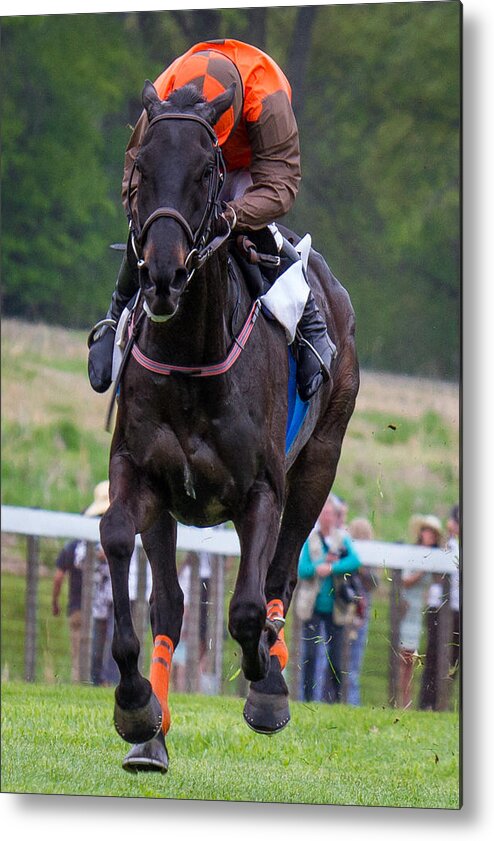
(31, 610)
(88, 568)
(394, 641)
(193, 618)
(444, 641)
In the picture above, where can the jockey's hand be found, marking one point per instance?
(229, 215)
(324, 569)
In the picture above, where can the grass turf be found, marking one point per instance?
(61, 740)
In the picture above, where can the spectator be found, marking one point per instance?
(341, 512)
(428, 698)
(70, 562)
(359, 529)
(104, 670)
(426, 531)
(327, 556)
(202, 563)
(179, 669)
(205, 578)
(453, 545)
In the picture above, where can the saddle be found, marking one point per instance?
(256, 255)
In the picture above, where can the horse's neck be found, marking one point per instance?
(199, 332)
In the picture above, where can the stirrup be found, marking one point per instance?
(324, 368)
(105, 322)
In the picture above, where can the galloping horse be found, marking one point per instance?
(200, 430)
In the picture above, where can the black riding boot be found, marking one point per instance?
(102, 336)
(315, 351)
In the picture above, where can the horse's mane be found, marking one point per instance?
(185, 97)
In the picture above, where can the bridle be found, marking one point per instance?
(201, 247)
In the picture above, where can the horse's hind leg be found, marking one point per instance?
(137, 714)
(310, 480)
(166, 621)
(257, 529)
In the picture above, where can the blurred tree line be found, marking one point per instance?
(376, 91)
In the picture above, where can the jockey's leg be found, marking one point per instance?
(101, 337)
(315, 350)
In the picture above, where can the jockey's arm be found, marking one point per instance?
(275, 166)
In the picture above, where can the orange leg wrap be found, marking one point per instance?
(275, 611)
(161, 663)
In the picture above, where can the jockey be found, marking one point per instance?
(259, 139)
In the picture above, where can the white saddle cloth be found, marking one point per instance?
(287, 298)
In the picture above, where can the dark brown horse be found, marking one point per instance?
(206, 449)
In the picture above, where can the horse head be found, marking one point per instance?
(180, 174)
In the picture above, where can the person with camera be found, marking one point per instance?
(328, 559)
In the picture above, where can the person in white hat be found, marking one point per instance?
(426, 530)
(70, 562)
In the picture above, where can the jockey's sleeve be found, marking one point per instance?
(275, 164)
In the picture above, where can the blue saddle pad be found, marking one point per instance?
(297, 409)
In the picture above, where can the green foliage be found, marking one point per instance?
(376, 92)
(53, 660)
(52, 466)
(337, 755)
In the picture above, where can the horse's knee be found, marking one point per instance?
(246, 622)
(117, 534)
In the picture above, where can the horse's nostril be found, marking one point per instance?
(179, 279)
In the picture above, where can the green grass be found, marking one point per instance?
(61, 740)
(49, 462)
(53, 648)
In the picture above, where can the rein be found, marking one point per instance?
(200, 249)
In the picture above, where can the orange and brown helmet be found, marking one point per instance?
(211, 73)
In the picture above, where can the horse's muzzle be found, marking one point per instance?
(161, 299)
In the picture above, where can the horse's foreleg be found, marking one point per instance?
(137, 713)
(166, 621)
(266, 709)
(258, 531)
(167, 604)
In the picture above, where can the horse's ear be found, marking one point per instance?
(221, 103)
(150, 99)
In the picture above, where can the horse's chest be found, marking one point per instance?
(200, 476)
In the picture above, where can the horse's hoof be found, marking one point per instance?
(266, 714)
(150, 756)
(140, 725)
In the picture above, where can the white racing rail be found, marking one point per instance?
(220, 540)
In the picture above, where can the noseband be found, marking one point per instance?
(201, 248)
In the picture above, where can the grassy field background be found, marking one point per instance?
(62, 741)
